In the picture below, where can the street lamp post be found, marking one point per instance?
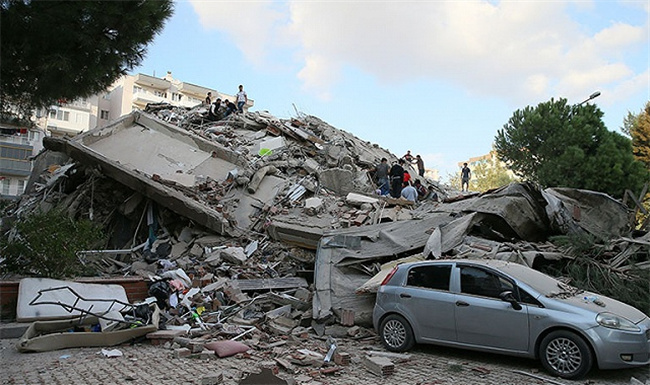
(592, 96)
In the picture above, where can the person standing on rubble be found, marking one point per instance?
(381, 173)
(420, 164)
(396, 179)
(465, 176)
(242, 99)
(208, 99)
(408, 157)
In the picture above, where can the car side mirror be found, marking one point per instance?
(507, 296)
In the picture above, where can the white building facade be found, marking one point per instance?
(128, 93)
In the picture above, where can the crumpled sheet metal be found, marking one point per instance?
(598, 214)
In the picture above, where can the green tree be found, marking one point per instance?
(46, 244)
(638, 128)
(487, 176)
(560, 145)
(64, 50)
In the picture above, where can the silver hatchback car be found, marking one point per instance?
(504, 307)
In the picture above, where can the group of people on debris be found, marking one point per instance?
(396, 181)
(221, 109)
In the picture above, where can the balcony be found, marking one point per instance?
(12, 167)
(80, 105)
(16, 139)
(144, 97)
(152, 82)
(194, 90)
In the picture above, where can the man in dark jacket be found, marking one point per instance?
(396, 178)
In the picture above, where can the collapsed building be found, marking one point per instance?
(254, 213)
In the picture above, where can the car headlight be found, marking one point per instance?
(613, 321)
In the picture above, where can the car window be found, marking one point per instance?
(478, 281)
(430, 277)
(524, 297)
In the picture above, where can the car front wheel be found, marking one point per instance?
(396, 333)
(565, 355)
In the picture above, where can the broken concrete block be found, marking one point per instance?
(195, 347)
(270, 145)
(234, 255)
(353, 331)
(338, 180)
(282, 325)
(313, 205)
(258, 176)
(281, 311)
(347, 317)
(231, 289)
(161, 336)
(358, 200)
(196, 250)
(380, 366)
(310, 165)
(342, 358)
(360, 220)
(182, 353)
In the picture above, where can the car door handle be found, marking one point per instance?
(405, 295)
(461, 303)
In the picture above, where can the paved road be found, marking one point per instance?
(147, 364)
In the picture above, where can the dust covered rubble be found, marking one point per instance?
(254, 282)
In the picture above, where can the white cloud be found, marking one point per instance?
(254, 26)
(514, 50)
(620, 36)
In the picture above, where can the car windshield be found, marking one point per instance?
(541, 282)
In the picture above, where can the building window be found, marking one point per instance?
(21, 187)
(14, 153)
(103, 114)
(160, 94)
(60, 115)
(176, 97)
(137, 89)
(6, 183)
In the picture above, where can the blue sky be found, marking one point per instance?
(438, 78)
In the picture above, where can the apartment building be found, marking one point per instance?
(17, 145)
(128, 93)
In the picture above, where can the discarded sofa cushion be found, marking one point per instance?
(226, 348)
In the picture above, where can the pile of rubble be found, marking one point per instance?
(270, 229)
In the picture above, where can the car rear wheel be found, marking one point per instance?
(396, 333)
(565, 355)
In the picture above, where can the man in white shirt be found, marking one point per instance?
(242, 99)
